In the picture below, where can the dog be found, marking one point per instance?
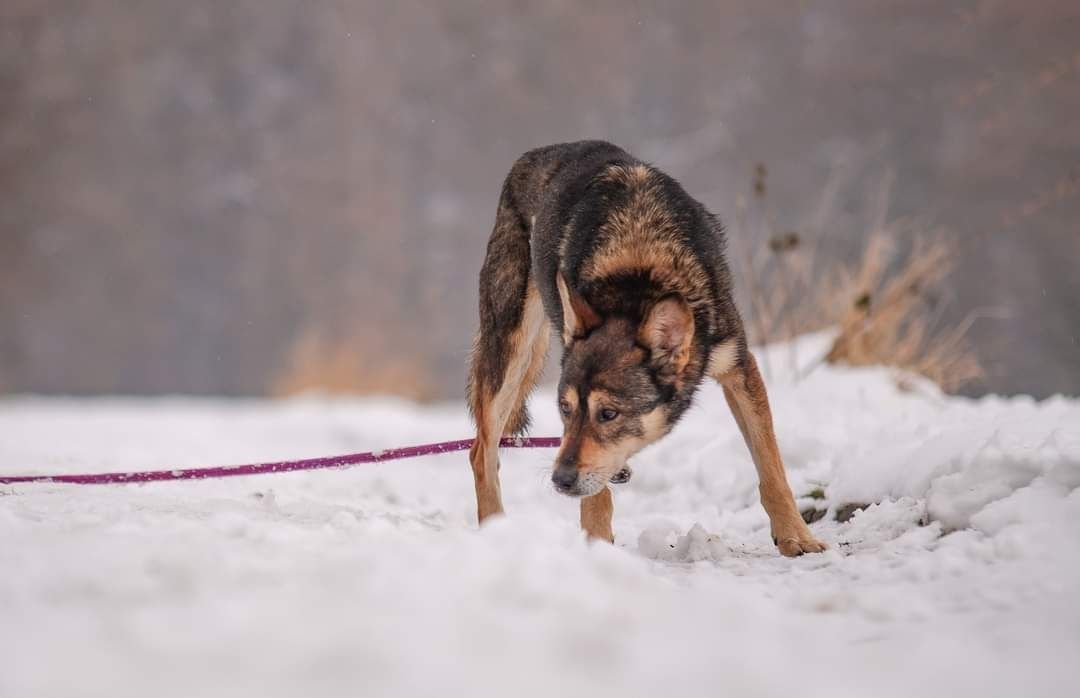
(630, 270)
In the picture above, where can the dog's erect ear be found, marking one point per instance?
(578, 316)
(668, 330)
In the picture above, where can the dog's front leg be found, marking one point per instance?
(745, 393)
(596, 514)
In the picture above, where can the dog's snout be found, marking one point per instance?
(564, 478)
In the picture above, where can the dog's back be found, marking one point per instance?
(623, 234)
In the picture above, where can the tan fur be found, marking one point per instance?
(603, 461)
(596, 513)
(598, 397)
(591, 456)
(722, 358)
(629, 175)
(654, 425)
(578, 317)
(745, 394)
(569, 319)
(538, 353)
(669, 327)
(529, 346)
(606, 460)
(643, 237)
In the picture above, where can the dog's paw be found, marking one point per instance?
(795, 544)
(622, 476)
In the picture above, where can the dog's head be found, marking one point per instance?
(622, 383)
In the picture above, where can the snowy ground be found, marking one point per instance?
(963, 580)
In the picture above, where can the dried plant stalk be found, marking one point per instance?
(884, 315)
(882, 304)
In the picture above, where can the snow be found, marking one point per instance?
(961, 578)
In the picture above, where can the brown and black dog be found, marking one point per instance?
(631, 271)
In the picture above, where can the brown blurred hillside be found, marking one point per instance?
(217, 197)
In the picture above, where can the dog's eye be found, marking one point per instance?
(564, 407)
(607, 414)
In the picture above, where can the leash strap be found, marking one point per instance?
(280, 466)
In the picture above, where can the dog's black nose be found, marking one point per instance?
(564, 478)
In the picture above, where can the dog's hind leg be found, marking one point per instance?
(509, 351)
(745, 393)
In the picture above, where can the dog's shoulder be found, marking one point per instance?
(620, 230)
(638, 235)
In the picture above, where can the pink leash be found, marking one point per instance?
(280, 466)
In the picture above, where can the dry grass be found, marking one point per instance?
(346, 366)
(884, 311)
(885, 303)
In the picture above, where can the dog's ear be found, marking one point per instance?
(668, 331)
(578, 316)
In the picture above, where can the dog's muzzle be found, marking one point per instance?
(567, 481)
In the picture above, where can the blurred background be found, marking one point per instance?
(259, 197)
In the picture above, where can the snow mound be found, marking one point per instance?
(662, 542)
